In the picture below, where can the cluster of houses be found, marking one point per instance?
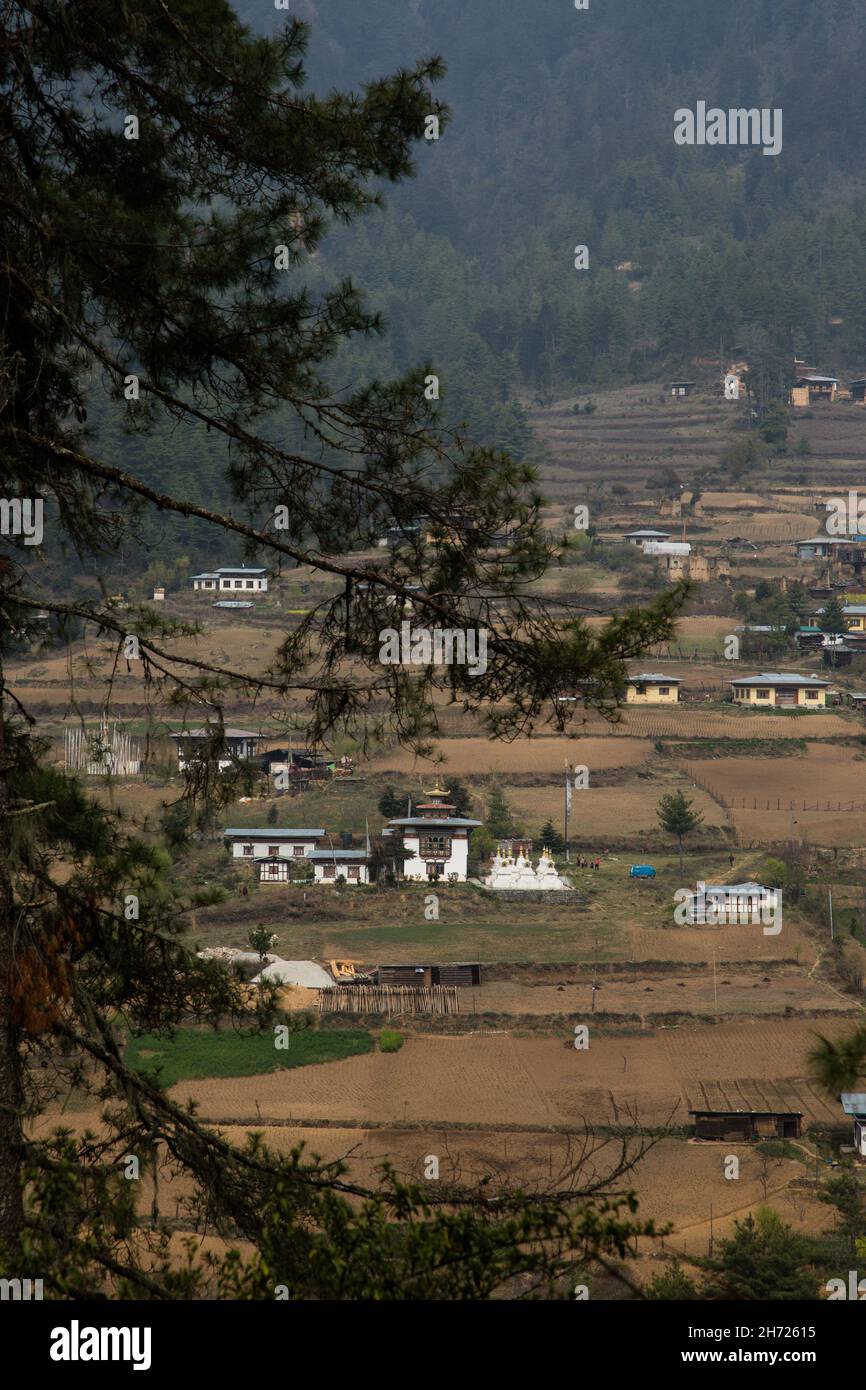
(766, 690)
(291, 768)
(427, 845)
(677, 559)
(810, 386)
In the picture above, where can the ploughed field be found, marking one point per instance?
(497, 1078)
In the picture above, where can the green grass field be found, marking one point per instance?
(193, 1055)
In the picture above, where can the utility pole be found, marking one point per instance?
(567, 810)
(830, 898)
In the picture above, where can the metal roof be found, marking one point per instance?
(655, 676)
(742, 1110)
(853, 1102)
(216, 733)
(332, 854)
(647, 531)
(241, 569)
(274, 833)
(736, 888)
(778, 678)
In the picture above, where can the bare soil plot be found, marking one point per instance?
(694, 991)
(471, 1080)
(769, 1053)
(819, 796)
(500, 1079)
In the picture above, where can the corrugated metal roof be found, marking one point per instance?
(274, 833)
(778, 678)
(241, 569)
(737, 888)
(854, 1102)
(332, 854)
(216, 733)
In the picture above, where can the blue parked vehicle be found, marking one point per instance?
(642, 871)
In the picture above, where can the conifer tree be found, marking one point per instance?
(166, 181)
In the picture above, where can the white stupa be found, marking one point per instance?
(546, 875)
(506, 872)
(502, 872)
(524, 873)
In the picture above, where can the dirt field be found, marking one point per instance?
(694, 991)
(676, 1180)
(818, 796)
(465, 756)
(500, 1079)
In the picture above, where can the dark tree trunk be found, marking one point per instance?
(11, 1080)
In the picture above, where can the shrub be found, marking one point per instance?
(390, 1040)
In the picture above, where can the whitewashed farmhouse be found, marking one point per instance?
(231, 579)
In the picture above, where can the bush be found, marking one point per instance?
(390, 1040)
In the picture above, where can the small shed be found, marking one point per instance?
(682, 388)
(462, 974)
(747, 1125)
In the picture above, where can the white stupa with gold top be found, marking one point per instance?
(508, 872)
(546, 875)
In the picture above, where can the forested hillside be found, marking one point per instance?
(562, 134)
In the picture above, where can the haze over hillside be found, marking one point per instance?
(562, 134)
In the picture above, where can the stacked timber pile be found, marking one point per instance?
(389, 999)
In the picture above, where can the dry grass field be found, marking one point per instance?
(818, 796)
(604, 813)
(466, 756)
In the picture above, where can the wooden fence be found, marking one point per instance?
(389, 999)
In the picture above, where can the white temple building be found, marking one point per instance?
(508, 872)
(435, 840)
